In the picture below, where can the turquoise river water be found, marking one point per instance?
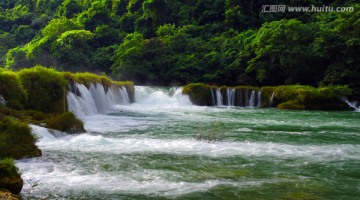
(162, 147)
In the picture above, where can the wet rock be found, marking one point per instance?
(6, 195)
(13, 184)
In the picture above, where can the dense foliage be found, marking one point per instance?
(162, 42)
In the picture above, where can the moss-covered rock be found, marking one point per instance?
(46, 89)
(87, 79)
(11, 90)
(10, 179)
(323, 98)
(199, 94)
(291, 105)
(16, 139)
(66, 122)
(7, 195)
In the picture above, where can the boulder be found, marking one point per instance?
(6, 195)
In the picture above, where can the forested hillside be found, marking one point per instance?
(165, 42)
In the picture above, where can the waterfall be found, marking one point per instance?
(271, 102)
(2, 101)
(252, 99)
(239, 96)
(212, 97)
(83, 101)
(124, 95)
(230, 96)
(352, 104)
(259, 99)
(219, 99)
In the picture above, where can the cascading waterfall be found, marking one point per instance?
(259, 98)
(252, 99)
(236, 97)
(271, 103)
(83, 101)
(219, 98)
(352, 104)
(212, 97)
(230, 96)
(247, 98)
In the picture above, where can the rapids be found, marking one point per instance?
(163, 147)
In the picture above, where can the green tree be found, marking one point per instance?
(282, 53)
(72, 48)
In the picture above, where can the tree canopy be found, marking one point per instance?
(167, 42)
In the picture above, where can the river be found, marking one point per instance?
(162, 147)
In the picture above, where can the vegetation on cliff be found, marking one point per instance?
(220, 42)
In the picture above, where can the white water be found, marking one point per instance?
(95, 100)
(219, 98)
(230, 96)
(88, 143)
(252, 98)
(271, 102)
(259, 98)
(150, 148)
(353, 105)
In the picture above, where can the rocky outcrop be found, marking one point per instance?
(6, 195)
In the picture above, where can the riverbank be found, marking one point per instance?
(38, 96)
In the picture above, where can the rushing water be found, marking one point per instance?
(162, 147)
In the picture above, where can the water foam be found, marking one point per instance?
(129, 145)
